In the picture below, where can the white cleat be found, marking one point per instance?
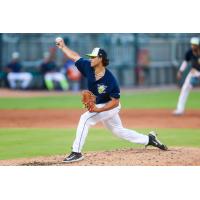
(178, 112)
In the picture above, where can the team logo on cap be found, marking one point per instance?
(95, 51)
(101, 88)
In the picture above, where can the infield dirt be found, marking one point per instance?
(125, 157)
(68, 118)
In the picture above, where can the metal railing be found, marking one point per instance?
(165, 51)
(120, 47)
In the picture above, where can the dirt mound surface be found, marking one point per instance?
(125, 157)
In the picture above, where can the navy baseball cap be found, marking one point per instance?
(97, 52)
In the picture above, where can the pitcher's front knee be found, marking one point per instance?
(87, 120)
(84, 117)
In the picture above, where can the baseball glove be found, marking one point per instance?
(88, 99)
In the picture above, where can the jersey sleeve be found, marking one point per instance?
(188, 55)
(83, 66)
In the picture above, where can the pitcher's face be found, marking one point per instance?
(95, 61)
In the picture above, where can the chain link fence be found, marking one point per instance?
(165, 53)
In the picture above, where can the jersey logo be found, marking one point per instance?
(101, 89)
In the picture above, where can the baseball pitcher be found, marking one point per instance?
(102, 101)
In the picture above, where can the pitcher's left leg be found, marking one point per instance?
(90, 119)
(86, 120)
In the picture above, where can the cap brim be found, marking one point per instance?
(90, 55)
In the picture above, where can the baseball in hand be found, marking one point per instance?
(59, 41)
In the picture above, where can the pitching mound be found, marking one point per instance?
(125, 157)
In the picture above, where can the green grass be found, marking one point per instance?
(50, 102)
(158, 99)
(21, 143)
(148, 99)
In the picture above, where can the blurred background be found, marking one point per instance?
(136, 59)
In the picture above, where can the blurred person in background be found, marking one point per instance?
(15, 76)
(51, 76)
(73, 75)
(193, 77)
(142, 68)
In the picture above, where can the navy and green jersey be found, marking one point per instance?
(104, 88)
(195, 60)
(15, 67)
(48, 67)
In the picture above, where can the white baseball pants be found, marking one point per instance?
(185, 90)
(111, 121)
(24, 77)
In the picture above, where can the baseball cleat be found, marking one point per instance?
(73, 157)
(177, 112)
(153, 141)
